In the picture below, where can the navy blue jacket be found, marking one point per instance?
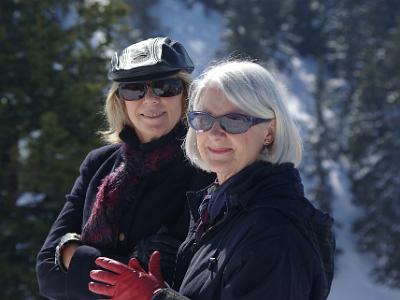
(268, 243)
(162, 203)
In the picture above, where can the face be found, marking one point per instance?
(225, 153)
(154, 116)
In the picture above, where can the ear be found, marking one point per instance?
(270, 133)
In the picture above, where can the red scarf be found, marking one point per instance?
(120, 186)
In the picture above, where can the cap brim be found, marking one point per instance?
(140, 75)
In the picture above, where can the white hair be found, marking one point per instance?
(254, 90)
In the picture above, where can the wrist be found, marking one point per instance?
(67, 240)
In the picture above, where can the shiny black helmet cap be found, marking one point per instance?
(150, 59)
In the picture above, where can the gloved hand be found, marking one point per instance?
(127, 282)
(166, 244)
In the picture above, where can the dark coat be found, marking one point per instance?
(162, 203)
(269, 243)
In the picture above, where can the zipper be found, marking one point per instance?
(228, 224)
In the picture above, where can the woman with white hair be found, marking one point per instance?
(253, 234)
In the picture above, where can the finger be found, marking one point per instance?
(154, 266)
(135, 264)
(111, 264)
(104, 276)
(102, 289)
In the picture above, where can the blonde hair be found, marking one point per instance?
(117, 117)
(254, 90)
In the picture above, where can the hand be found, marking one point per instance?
(67, 254)
(122, 282)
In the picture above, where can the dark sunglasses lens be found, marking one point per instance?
(200, 121)
(167, 87)
(132, 91)
(234, 123)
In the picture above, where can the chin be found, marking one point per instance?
(220, 166)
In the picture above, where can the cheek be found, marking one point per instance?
(131, 108)
(178, 109)
(175, 108)
(248, 147)
(201, 139)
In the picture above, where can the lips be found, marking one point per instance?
(219, 150)
(153, 115)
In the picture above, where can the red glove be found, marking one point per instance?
(122, 282)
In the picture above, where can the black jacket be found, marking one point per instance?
(270, 243)
(162, 203)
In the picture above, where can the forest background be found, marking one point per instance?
(54, 57)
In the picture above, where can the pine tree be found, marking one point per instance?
(374, 139)
(53, 67)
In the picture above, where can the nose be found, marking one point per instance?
(216, 129)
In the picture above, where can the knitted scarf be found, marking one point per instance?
(118, 189)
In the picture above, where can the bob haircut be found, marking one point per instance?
(256, 92)
(117, 116)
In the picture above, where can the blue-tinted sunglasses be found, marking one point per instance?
(233, 123)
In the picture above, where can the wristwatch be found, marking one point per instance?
(65, 240)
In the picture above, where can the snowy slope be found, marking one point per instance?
(351, 280)
(201, 33)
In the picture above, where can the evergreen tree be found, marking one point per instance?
(373, 120)
(53, 67)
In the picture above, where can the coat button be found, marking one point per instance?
(121, 237)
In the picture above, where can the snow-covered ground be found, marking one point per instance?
(351, 279)
(200, 33)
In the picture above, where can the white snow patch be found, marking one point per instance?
(29, 199)
(98, 38)
(198, 31)
(352, 279)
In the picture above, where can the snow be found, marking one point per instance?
(29, 199)
(98, 38)
(23, 144)
(201, 34)
(299, 90)
(100, 2)
(352, 280)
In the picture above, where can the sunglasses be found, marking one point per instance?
(234, 123)
(131, 91)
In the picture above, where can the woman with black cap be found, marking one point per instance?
(129, 199)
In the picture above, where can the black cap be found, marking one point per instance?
(150, 59)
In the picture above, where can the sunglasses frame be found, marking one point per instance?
(150, 84)
(250, 121)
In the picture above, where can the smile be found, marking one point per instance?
(153, 115)
(219, 150)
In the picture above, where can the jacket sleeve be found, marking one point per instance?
(168, 294)
(53, 283)
(274, 268)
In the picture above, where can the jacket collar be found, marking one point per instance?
(253, 185)
(194, 199)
